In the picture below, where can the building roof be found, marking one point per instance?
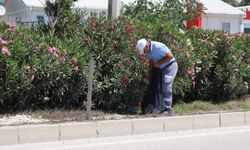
(131, 1)
(220, 7)
(34, 3)
(91, 4)
(88, 4)
(212, 6)
(244, 7)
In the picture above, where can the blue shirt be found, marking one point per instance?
(158, 52)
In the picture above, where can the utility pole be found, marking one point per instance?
(90, 82)
(113, 9)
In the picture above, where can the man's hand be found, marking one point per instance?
(142, 57)
(165, 59)
(157, 65)
(151, 63)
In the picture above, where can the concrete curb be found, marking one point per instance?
(93, 129)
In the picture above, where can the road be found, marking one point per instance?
(228, 138)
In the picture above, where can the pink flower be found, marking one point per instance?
(32, 78)
(93, 22)
(67, 20)
(50, 50)
(193, 83)
(129, 28)
(192, 76)
(246, 85)
(227, 36)
(4, 42)
(149, 34)
(114, 44)
(75, 68)
(34, 70)
(234, 57)
(87, 40)
(120, 17)
(125, 81)
(63, 60)
(179, 50)
(239, 33)
(138, 104)
(53, 49)
(26, 67)
(55, 54)
(74, 60)
(65, 52)
(21, 34)
(40, 46)
(187, 55)
(5, 51)
(10, 41)
(236, 70)
(190, 72)
(12, 27)
(241, 58)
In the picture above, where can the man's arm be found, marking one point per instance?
(150, 63)
(165, 59)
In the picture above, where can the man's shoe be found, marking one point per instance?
(166, 113)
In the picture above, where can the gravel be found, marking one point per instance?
(20, 119)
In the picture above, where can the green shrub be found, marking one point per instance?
(40, 68)
(39, 72)
(220, 65)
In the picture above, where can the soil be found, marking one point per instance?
(61, 116)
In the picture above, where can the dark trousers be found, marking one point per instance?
(159, 92)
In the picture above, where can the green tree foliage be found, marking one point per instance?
(232, 2)
(168, 10)
(2, 2)
(245, 2)
(57, 11)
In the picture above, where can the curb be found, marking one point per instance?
(94, 129)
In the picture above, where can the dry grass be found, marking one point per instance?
(197, 107)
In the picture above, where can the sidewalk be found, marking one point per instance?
(92, 129)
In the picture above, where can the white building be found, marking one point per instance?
(222, 16)
(246, 21)
(218, 14)
(33, 10)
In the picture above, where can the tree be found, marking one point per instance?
(58, 10)
(173, 11)
(245, 2)
(2, 2)
(232, 2)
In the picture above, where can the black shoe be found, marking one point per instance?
(166, 113)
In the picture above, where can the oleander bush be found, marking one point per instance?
(221, 65)
(44, 68)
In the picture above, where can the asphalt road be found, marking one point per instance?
(229, 138)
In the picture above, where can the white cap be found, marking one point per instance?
(141, 45)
